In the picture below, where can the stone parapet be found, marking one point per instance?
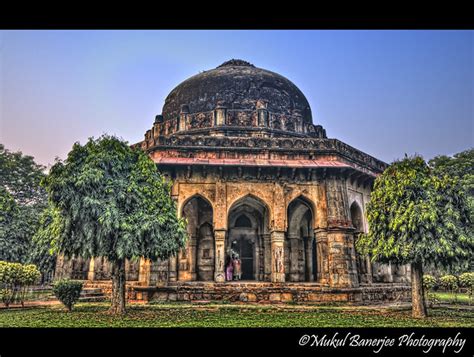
(265, 292)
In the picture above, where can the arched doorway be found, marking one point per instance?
(363, 263)
(300, 245)
(248, 223)
(201, 248)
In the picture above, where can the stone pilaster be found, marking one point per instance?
(322, 256)
(144, 273)
(278, 257)
(220, 206)
(91, 272)
(293, 243)
(368, 267)
(309, 258)
(173, 275)
(220, 114)
(267, 261)
(219, 273)
(192, 258)
(342, 263)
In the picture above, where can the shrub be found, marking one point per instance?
(67, 291)
(450, 283)
(430, 283)
(466, 280)
(28, 275)
(14, 281)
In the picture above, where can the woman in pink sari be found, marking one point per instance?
(229, 269)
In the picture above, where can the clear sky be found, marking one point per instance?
(386, 93)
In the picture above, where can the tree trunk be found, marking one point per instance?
(417, 293)
(118, 287)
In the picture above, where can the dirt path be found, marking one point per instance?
(29, 304)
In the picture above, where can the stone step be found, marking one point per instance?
(91, 295)
(92, 298)
(91, 291)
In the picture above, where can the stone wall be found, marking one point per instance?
(259, 292)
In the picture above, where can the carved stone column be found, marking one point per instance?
(293, 241)
(278, 256)
(91, 272)
(309, 258)
(144, 273)
(219, 239)
(192, 258)
(267, 261)
(173, 275)
(322, 256)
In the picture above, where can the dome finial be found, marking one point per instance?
(236, 62)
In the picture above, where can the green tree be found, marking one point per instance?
(41, 251)
(417, 217)
(109, 200)
(10, 246)
(461, 167)
(22, 200)
(20, 175)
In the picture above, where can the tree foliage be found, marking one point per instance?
(461, 167)
(417, 216)
(20, 175)
(109, 200)
(22, 200)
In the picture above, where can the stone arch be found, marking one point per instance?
(300, 250)
(196, 261)
(244, 220)
(186, 200)
(233, 220)
(245, 196)
(357, 217)
(247, 241)
(304, 197)
(364, 269)
(307, 204)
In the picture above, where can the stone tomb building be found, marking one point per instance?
(254, 176)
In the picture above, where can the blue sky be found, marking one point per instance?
(386, 93)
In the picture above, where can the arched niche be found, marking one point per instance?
(357, 217)
(198, 261)
(364, 269)
(300, 246)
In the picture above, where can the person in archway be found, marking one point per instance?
(237, 268)
(229, 268)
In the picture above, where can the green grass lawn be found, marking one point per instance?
(219, 315)
(449, 298)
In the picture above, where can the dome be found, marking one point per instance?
(237, 85)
